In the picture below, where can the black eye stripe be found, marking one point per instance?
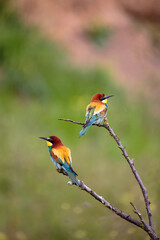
(50, 140)
(103, 98)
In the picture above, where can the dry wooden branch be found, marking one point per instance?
(118, 212)
(143, 225)
(138, 213)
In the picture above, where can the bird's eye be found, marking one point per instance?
(101, 99)
(50, 140)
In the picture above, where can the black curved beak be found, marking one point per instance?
(44, 138)
(103, 98)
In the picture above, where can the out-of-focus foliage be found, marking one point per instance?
(38, 85)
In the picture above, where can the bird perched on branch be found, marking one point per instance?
(61, 157)
(96, 111)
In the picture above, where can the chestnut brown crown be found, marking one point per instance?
(97, 96)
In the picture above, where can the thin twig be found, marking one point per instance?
(130, 162)
(69, 120)
(138, 213)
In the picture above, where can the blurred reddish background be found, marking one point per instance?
(133, 48)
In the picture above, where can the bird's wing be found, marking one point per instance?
(90, 112)
(59, 154)
(54, 156)
(63, 155)
(94, 110)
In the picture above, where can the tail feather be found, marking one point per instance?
(72, 170)
(87, 124)
(69, 168)
(84, 130)
(73, 178)
(72, 175)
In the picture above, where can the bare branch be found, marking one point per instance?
(108, 205)
(111, 207)
(130, 162)
(143, 225)
(69, 120)
(138, 213)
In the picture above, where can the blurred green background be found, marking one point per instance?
(38, 85)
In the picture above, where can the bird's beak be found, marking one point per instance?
(48, 141)
(105, 97)
(44, 138)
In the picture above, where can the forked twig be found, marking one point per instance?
(138, 213)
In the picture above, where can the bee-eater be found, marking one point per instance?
(96, 111)
(61, 157)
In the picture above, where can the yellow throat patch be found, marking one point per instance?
(49, 144)
(105, 100)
